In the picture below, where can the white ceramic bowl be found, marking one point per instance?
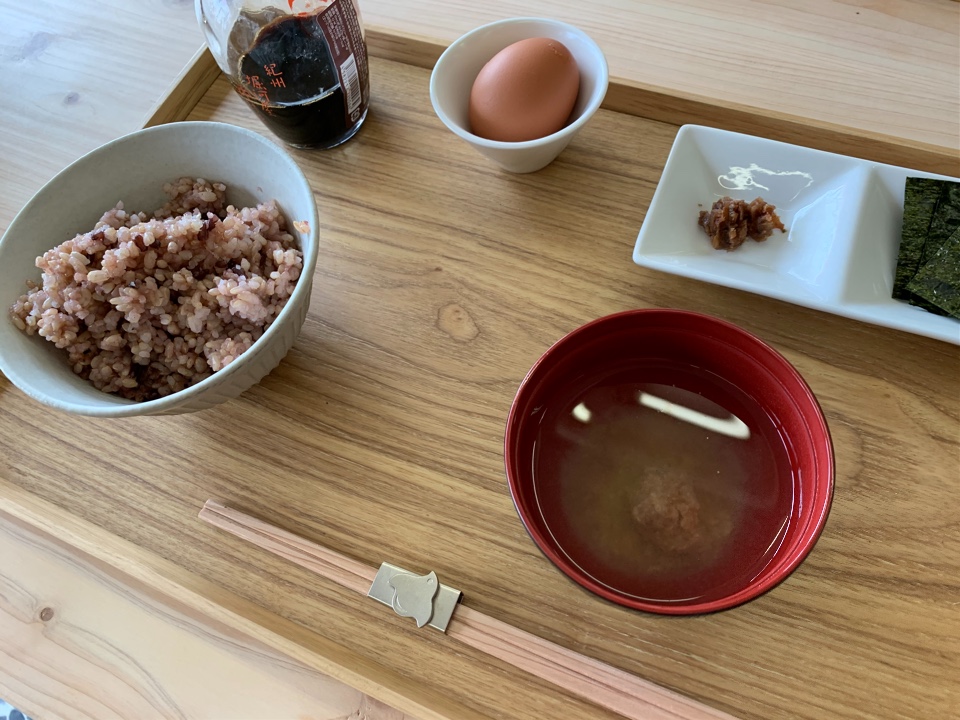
(458, 67)
(133, 169)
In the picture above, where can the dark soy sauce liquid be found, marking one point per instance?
(290, 63)
(664, 485)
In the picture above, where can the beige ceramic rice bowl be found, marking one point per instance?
(134, 170)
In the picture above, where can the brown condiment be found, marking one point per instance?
(730, 222)
(311, 91)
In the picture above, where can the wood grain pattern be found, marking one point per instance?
(682, 108)
(609, 687)
(871, 77)
(317, 559)
(186, 90)
(276, 646)
(597, 682)
(877, 68)
(670, 100)
(441, 280)
(79, 644)
(76, 75)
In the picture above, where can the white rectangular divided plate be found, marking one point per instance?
(843, 217)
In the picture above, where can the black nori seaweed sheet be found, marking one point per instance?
(945, 220)
(938, 281)
(931, 214)
(920, 196)
(914, 299)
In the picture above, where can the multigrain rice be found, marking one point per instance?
(146, 306)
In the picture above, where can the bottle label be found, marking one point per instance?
(340, 25)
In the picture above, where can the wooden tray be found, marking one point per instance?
(440, 282)
(663, 103)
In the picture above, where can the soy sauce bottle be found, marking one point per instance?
(302, 68)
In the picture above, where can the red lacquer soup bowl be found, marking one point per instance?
(669, 461)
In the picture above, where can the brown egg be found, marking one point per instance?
(526, 91)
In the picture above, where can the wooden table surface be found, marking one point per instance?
(74, 75)
(380, 435)
(881, 68)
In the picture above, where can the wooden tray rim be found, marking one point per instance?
(626, 96)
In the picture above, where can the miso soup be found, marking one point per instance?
(663, 484)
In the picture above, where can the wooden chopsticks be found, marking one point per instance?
(591, 679)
